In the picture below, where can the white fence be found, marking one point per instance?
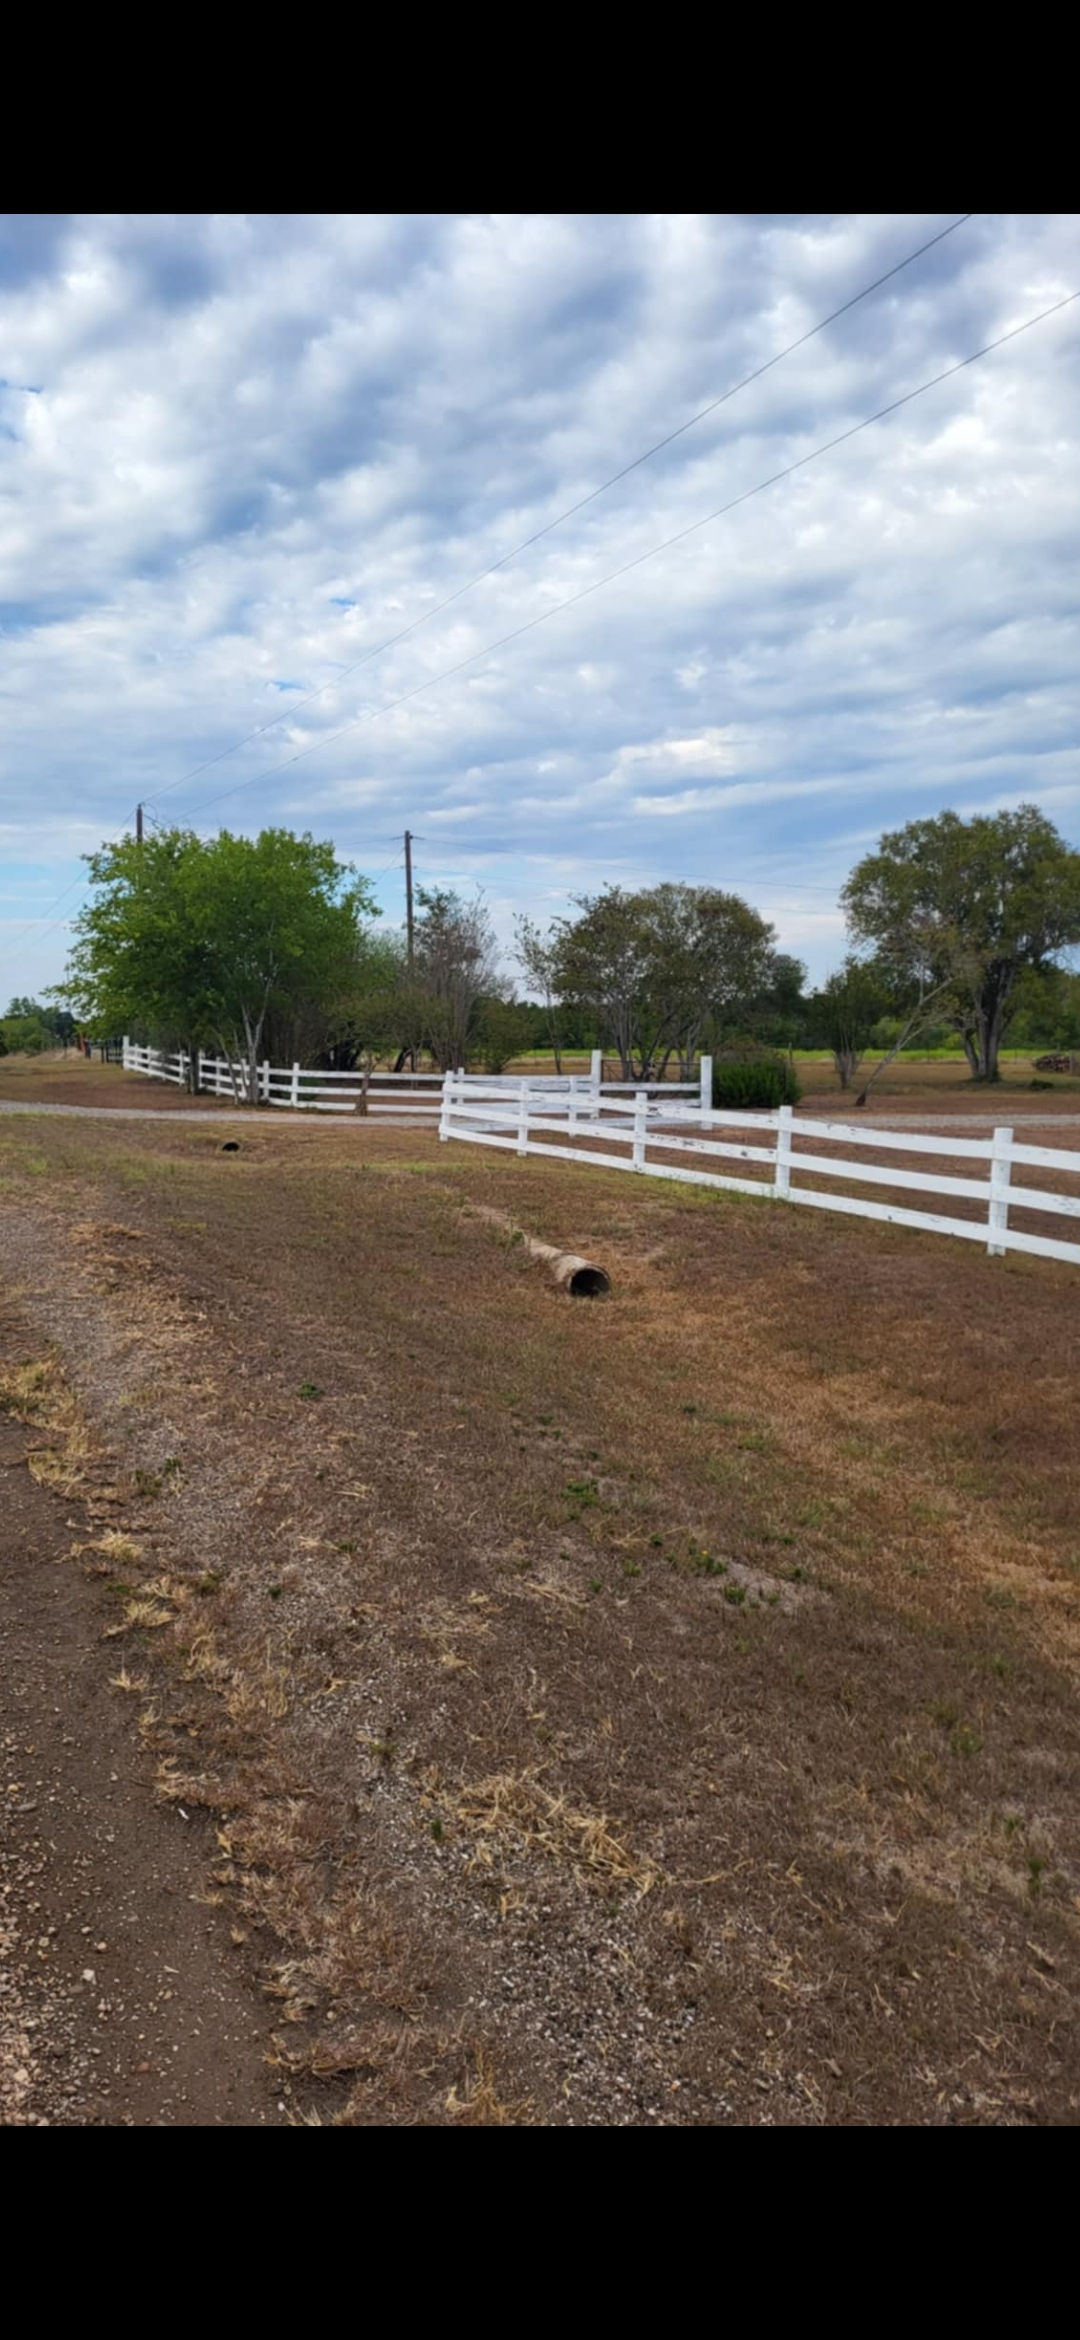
(385, 1094)
(643, 1133)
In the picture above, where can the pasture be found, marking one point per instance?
(653, 1711)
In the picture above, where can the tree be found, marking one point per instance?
(843, 1015)
(601, 961)
(537, 954)
(659, 966)
(201, 941)
(454, 964)
(777, 1012)
(500, 1032)
(963, 909)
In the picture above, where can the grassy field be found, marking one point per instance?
(652, 1711)
(912, 1084)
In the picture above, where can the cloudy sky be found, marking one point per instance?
(239, 454)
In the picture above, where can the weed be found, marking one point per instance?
(275, 1591)
(1037, 1868)
(583, 1491)
(309, 1389)
(736, 1594)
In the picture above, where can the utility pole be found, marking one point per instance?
(408, 898)
(138, 824)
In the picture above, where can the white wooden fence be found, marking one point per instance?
(645, 1132)
(390, 1095)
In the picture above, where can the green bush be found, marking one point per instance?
(754, 1083)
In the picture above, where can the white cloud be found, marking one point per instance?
(237, 452)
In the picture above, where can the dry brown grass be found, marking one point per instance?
(511, 1808)
(758, 1583)
(38, 1394)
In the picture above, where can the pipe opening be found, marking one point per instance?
(587, 1283)
(231, 1146)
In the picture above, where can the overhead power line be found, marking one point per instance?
(527, 542)
(426, 616)
(721, 511)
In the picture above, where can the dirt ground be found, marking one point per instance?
(657, 1711)
(78, 1080)
(124, 2000)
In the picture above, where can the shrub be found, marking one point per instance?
(754, 1082)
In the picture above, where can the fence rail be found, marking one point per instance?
(643, 1134)
(391, 1096)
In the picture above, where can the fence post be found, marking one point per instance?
(446, 1108)
(124, 1048)
(782, 1183)
(198, 1072)
(1000, 1172)
(641, 1116)
(571, 1107)
(264, 1080)
(523, 1119)
(596, 1075)
(294, 1091)
(706, 1089)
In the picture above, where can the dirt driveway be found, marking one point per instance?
(124, 1999)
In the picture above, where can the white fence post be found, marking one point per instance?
(447, 1105)
(523, 1119)
(706, 1089)
(125, 1048)
(782, 1183)
(264, 1080)
(641, 1126)
(1000, 1171)
(198, 1072)
(294, 1090)
(571, 1106)
(596, 1076)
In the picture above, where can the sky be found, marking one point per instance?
(240, 453)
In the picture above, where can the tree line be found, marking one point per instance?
(272, 947)
(31, 1027)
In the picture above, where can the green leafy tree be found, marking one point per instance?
(537, 955)
(960, 911)
(201, 941)
(500, 1031)
(454, 965)
(660, 967)
(843, 1014)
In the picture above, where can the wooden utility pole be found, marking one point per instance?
(408, 899)
(138, 824)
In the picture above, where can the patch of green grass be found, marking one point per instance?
(309, 1389)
